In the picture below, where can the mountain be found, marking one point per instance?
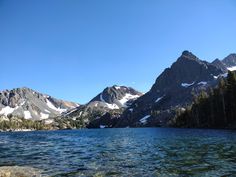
(121, 106)
(230, 62)
(108, 104)
(116, 97)
(29, 104)
(173, 89)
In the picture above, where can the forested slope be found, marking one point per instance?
(215, 108)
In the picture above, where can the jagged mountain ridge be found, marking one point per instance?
(29, 104)
(120, 106)
(173, 89)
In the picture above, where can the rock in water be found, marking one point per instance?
(16, 171)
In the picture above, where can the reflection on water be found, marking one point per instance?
(123, 152)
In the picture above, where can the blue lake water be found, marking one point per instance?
(123, 152)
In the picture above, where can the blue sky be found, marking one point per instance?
(73, 49)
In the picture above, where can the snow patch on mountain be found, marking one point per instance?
(7, 110)
(48, 121)
(47, 111)
(112, 106)
(101, 98)
(221, 75)
(159, 99)
(50, 105)
(126, 98)
(22, 103)
(144, 119)
(187, 84)
(202, 83)
(27, 115)
(44, 116)
(233, 68)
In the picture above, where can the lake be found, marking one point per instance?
(122, 152)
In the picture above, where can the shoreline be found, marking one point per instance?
(34, 130)
(18, 130)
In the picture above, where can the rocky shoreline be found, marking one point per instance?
(17, 171)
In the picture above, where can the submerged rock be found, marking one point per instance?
(16, 171)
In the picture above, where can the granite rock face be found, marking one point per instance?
(29, 104)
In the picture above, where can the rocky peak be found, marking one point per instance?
(111, 101)
(188, 58)
(188, 69)
(188, 55)
(216, 61)
(113, 94)
(220, 65)
(230, 60)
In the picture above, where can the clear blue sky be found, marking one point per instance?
(73, 49)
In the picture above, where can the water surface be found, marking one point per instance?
(123, 152)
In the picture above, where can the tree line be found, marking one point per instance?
(17, 123)
(215, 108)
(20, 123)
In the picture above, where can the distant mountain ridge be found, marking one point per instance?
(121, 106)
(29, 104)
